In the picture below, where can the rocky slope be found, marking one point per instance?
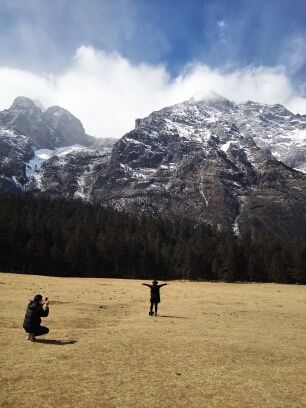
(54, 127)
(47, 150)
(208, 160)
(237, 167)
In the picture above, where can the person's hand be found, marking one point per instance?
(46, 303)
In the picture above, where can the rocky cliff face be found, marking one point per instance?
(34, 154)
(65, 172)
(54, 127)
(237, 167)
(209, 160)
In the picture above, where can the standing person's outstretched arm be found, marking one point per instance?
(163, 284)
(146, 284)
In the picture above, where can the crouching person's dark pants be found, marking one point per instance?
(38, 331)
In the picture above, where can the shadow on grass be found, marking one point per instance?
(56, 342)
(173, 317)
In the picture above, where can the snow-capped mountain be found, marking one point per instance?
(209, 160)
(53, 127)
(47, 150)
(235, 166)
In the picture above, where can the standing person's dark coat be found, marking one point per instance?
(155, 295)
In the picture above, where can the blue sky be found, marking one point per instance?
(42, 37)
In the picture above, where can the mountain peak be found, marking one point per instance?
(24, 103)
(47, 129)
(211, 96)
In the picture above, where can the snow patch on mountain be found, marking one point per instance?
(201, 189)
(18, 184)
(236, 230)
(226, 146)
(33, 166)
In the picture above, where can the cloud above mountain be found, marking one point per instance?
(108, 92)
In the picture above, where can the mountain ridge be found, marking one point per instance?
(199, 159)
(210, 160)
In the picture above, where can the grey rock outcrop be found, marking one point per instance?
(33, 154)
(203, 161)
(54, 127)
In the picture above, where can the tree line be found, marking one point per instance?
(39, 235)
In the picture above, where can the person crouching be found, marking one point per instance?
(37, 308)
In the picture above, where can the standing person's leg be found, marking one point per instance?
(156, 305)
(151, 308)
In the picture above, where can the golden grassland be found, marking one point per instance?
(213, 345)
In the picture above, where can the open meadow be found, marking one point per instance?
(213, 345)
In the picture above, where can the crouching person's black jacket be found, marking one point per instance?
(33, 316)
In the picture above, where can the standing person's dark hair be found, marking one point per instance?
(37, 308)
(155, 296)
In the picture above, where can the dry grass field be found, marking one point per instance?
(213, 345)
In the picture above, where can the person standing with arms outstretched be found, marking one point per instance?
(155, 296)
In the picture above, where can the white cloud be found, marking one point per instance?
(297, 105)
(293, 53)
(107, 93)
(221, 24)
